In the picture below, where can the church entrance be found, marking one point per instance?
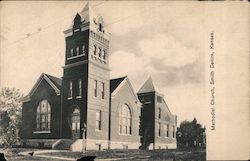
(75, 124)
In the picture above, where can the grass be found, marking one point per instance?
(124, 155)
(154, 155)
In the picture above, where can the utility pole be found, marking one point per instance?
(83, 139)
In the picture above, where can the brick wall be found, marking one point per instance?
(44, 91)
(124, 96)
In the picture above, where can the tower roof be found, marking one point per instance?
(88, 19)
(87, 14)
(148, 87)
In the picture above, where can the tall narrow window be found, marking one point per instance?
(159, 129)
(94, 50)
(43, 116)
(95, 88)
(173, 131)
(125, 120)
(100, 27)
(79, 92)
(75, 119)
(99, 52)
(71, 52)
(159, 113)
(104, 54)
(83, 50)
(102, 90)
(167, 130)
(98, 120)
(77, 51)
(70, 89)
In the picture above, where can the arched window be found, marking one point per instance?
(125, 120)
(43, 116)
(75, 120)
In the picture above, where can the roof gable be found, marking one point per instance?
(114, 83)
(118, 83)
(54, 82)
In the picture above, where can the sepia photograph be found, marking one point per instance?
(112, 80)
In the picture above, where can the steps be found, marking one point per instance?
(64, 144)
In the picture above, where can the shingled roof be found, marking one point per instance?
(114, 83)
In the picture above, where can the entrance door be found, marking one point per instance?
(75, 124)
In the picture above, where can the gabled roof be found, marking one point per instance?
(148, 87)
(114, 83)
(54, 82)
(117, 84)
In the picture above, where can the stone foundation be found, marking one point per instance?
(162, 146)
(89, 144)
(124, 145)
(38, 143)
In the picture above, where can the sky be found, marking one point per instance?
(164, 40)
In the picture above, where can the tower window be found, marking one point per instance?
(98, 120)
(94, 50)
(79, 93)
(100, 27)
(159, 113)
(70, 89)
(83, 50)
(104, 54)
(95, 88)
(159, 129)
(167, 130)
(102, 90)
(71, 52)
(99, 52)
(77, 51)
(173, 131)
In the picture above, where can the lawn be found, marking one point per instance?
(123, 155)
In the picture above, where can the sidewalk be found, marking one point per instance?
(39, 153)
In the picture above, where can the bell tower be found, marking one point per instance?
(86, 77)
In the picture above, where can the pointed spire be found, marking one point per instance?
(86, 7)
(149, 86)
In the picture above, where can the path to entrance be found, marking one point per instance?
(39, 153)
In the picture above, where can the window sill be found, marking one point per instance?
(69, 98)
(78, 96)
(98, 130)
(41, 132)
(125, 134)
(77, 56)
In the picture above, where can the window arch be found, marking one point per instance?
(125, 120)
(43, 116)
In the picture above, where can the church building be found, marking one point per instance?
(85, 109)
